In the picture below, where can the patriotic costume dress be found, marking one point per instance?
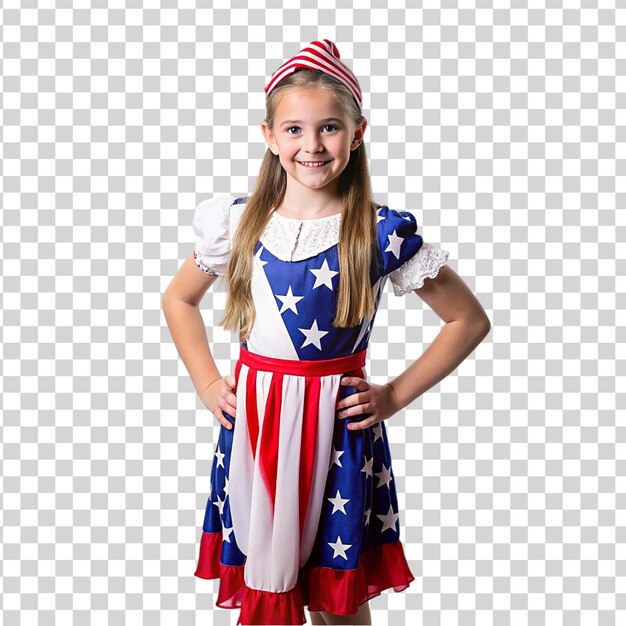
(303, 511)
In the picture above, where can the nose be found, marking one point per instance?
(312, 143)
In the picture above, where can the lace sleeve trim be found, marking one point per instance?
(216, 269)
(425, 264)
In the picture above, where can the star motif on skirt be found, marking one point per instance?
(335, 457)
(226, 532)
(220, 504)
(378, 431)
(226, 486)
(339, 547)
(367, 468)
(389, 520)
(384, 477)
(367, 515)
(220, 458)
(339, 503)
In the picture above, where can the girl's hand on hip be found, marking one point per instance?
(219, 398)
(379, 401)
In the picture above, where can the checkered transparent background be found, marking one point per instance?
(501, 127)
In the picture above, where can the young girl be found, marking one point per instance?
(302, 509)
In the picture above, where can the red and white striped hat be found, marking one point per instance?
(319, 55)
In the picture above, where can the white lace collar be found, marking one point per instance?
(292, 239)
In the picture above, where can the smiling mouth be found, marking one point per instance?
(313, 164)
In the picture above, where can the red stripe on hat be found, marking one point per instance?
(312, 59)
(333, 59)
(321, 60)
(319, 55)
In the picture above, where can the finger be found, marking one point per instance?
(360, 425)
(222, 420)
(229, 398)
(346, 410)
(230, 401)
(350, 400)
(355, 381)
(223, 409)
(227, 408)
(346, 407)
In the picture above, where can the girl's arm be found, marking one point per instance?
(466, 325)
(181, 308)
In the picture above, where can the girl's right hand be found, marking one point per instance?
(218, 397)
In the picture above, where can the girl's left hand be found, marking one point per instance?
(379, 401)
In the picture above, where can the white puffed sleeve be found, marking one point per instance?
(425, 263)
(211, 225)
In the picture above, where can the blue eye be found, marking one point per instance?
(325, 126)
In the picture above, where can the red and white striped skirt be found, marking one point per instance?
(281, 450)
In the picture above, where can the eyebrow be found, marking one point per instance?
(328, 119)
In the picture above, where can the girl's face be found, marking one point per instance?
(311, 126)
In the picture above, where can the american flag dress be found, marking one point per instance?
(301, 510)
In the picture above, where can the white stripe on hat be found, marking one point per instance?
(319, 55)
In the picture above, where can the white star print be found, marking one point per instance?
(335, 457)
(378, 431)
(339, 503)
(226, 486)
(226, 533)
(367, 468)
(384, 477)
(220, 504)
(324, 276)
(339, 547)
(313, 335)
(394, 244)
(258, 257)
(389, 520)
(289, 301)
(367, 515)
(220, 458)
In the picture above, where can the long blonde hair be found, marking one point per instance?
(357, 247)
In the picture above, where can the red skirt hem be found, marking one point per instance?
(340, 592)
